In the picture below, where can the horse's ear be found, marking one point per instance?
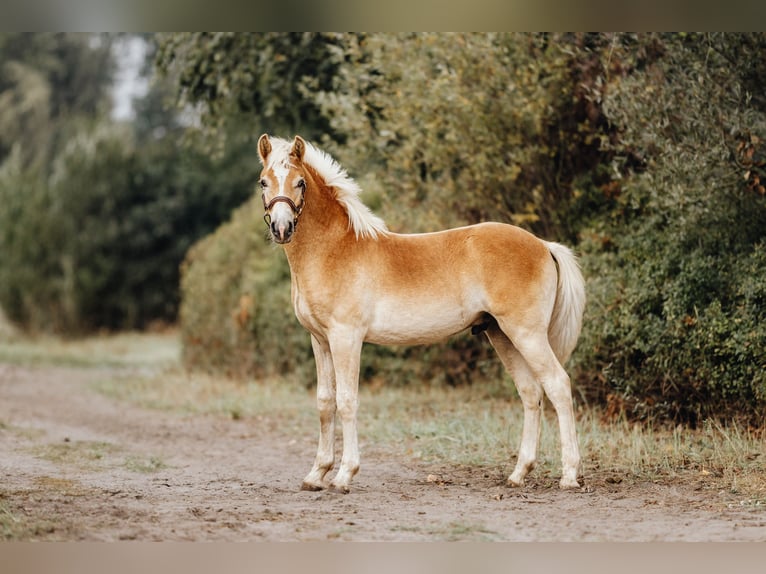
(299, 148)
(264, 147)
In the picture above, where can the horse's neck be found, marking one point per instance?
(321, 232)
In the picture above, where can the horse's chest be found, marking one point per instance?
(303, 310)
(312, 309)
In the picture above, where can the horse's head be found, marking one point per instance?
(283, 187)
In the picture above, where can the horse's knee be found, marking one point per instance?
(326, 405)
(346, 407)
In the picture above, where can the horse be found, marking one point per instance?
(355, 281)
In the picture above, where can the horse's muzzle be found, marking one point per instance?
(282, 232)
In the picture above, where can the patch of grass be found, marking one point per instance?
(459, 425)
(476, 425)
(9, 522)
(25, 432)
(454, 532)
(731, 452)
(150, 351)
(199, 393)
(24, 518)
(144, 465)
(469, 426)
(84, 454)
(17, 526)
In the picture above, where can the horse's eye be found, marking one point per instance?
(302, 184)
(264, 183)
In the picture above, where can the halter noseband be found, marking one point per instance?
(296, 209)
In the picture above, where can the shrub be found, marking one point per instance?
(236, 316)
(25, 237)
(674, 328)
(461, 128)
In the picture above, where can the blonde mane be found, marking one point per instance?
(360, 218)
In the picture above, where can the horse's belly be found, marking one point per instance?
(424, 322)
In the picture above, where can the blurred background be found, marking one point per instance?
(128, 163)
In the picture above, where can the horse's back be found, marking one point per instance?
(480, 251)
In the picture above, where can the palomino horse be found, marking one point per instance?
(355, 281)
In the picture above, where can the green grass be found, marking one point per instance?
(137, 350)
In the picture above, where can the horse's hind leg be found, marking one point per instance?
(534, 347)
(326, 405)
(531, 393)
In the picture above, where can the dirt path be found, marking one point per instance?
(75, 465)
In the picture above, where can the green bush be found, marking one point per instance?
(674, 328)
(461, 128)
(236, 316)
(25, 234)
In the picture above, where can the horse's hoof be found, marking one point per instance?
(568, 484)
(345, 489)
(514, 482)
(311, 486)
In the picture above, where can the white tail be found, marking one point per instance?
(566, 321)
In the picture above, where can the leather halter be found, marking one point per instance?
(296, 209)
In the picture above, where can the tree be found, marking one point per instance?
(45, 80)
(93, 228)
(460, 128)
(264, 79)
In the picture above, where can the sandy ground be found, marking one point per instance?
(75, 465)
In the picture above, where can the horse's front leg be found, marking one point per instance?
(326, 405)
(346, 348)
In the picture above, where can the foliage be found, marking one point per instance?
(45, 79)
(236, 316)
(643, 151)
(469, 127)
(94, 228)
(99, 243)
(257, 77)
(675, 324)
